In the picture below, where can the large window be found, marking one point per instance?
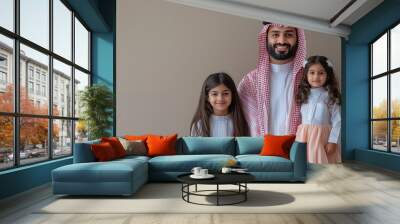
(385, 91)
(44, 64)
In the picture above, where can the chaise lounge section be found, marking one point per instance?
(88, 177)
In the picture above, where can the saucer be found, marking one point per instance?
(208, 176)
(240, 171)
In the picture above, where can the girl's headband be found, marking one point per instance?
(327, 62)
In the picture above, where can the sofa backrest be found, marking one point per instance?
(83, 152)
(190, 146)
(206, 145)
(249, 145)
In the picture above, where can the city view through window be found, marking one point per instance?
(39, 113)
(385, 91)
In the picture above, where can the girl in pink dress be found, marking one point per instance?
(319, 97)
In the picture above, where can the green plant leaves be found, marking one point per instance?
(97, 104)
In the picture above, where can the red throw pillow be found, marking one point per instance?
(116, 145)
(277, 145)
(161, 145)
(103, 151)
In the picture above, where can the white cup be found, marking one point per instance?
(226, 170)
(203, 172)
(196, 170)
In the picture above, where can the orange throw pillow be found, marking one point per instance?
(116, 145)
(103, 151)
(161, 145)
(135, 137)
(277, 145)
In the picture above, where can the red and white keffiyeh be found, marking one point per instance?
(254, 89)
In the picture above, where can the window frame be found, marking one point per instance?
(3, 69)
(3, 77)
(388, 74)
(16, 114)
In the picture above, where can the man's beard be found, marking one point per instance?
(281, 56)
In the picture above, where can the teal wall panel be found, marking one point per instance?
(103, 53)
(102, 59)
(379, 159)
(24, 178)
(356, 100)
(89, 11)
(103, 64)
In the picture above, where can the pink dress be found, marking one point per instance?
(320, 125)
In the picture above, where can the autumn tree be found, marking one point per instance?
(33, 130)
(6, 132)
(380, 127)
(81, 129)
(6, 122)
(396, 123)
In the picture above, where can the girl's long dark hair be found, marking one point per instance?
(331, 83)
(200, 125)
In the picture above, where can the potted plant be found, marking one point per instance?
(96, 102)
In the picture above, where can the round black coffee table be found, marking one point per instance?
(238, 179)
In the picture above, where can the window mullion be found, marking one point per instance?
(389, 113)
(16, 84)
(50, 87)
(371, 89)
(73, 82)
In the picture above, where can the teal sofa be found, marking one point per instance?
(125, 176)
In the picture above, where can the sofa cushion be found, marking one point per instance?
(161, 145)
(134, 147)
(116, 145)
(185, 163)
(93, 172)
(103, 151)
(249, 145)
(257, 163)
(207, 145)
(131, 158)
(98, 172)
(277, 145)
(136, 137)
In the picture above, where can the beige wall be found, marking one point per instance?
(326, 45)
(166, 50)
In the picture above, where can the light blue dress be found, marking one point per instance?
(220, 126)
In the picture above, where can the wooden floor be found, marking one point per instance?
(377, 188)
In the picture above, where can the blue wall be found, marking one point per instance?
(103, 52)
(103, 64)
(356, 85)
(102, 58)
(99, 15)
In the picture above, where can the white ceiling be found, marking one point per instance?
(320, 9)
(315, 15)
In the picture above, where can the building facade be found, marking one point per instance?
(34, 81)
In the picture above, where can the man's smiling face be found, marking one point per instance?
(282, 42)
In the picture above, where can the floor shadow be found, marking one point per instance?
(255, 198)
(148, 191)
